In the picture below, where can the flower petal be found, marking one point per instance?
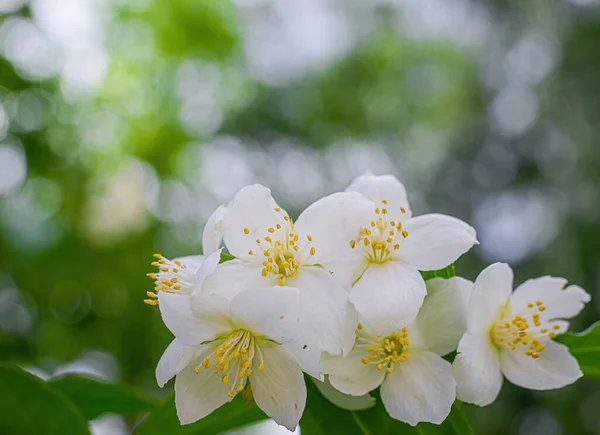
(229, 279)
(435, 240)
(248, 216)
(388, 295)
(491, 290)
(555, 368)
(176, 312)
(213, 231)
(271, 311)
(279, 389)
(349, 375)
(327, 319)
(383, 187)
(560, 302)
(420, 389)
(205, 269)
(476, 369)
(442, 320)
(308, 357)
(332, 222)
(212, 316)
(191, 262)
(175, 358)
(197, 395)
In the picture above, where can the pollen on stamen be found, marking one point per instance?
(246, 230)
(402, 210)
(313, 250)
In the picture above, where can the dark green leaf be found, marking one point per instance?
(585, 346)
(163, 420)
(323, 418)
(95, 397)
(225, 257)
(447, 272)
(31, 406)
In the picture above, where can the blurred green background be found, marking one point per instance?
(123, 124)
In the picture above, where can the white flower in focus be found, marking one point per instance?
(270, 250)
(226, 344)
(175, 276)
(178, 275)
(368, 239)
(416, 382)
(511, 335)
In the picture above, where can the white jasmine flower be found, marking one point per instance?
(368, 238)
(271, 250)
(511, 335)
(416, 382)
(178, 275)
(225, 344)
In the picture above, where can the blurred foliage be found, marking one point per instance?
(155, 112)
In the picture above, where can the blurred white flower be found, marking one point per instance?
(416, 382)
(511, 335)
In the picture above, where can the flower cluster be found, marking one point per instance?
(339, 292)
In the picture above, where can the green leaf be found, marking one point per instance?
(235, 414)
(31, 406)
(225, 257)
(95, 397)
(323, 418)
(585, 346)
(344, 401)
(447, 272)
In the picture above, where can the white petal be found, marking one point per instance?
(191, 262)
(349, 375)
(213, 231)
(272, 312)
(476, 369)
(560, 302)
(176, 312)
(435, 240)
(253, 208)
(388, 295)
(332, 222)
(383, 187)
(347, 268)
(197, 395)
(212, 316)
(420, 389)
(231, 278)
(279, 390)
(555, 368)
(442, 320)
(175, 358)
(491, 291)
(205, 269)
(327, 319)
(308, 357)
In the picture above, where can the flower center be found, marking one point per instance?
(172, 277)
(525, 332)
(383, 352)
(281, 252)
(232, 359)
(381, 238)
